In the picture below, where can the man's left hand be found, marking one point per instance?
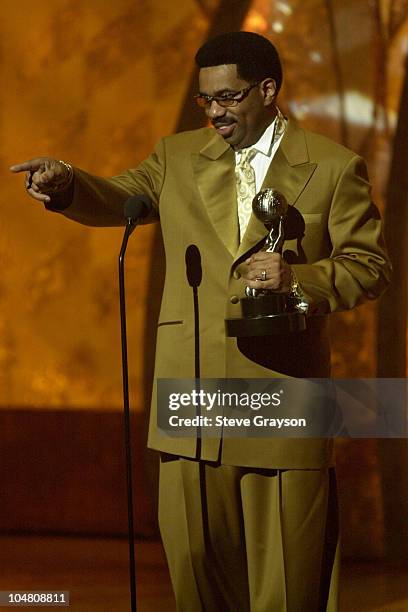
(268, 271)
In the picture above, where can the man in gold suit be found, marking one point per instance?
(247, 524)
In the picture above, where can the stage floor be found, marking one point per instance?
(95, 571)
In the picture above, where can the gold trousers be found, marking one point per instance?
(248, 539)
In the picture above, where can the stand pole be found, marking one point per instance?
(127, 434)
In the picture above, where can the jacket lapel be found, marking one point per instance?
(289, 173)
(214, 169)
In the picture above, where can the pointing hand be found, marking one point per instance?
(44, 176)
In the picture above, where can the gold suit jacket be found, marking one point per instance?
(339, 261)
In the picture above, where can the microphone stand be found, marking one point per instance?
(130, 225)
(197, 372)
(194, 277)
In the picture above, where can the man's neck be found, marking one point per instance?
(265, 126)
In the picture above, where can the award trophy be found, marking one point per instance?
(267, 312)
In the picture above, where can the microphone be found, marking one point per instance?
(137, 207)
(194, 271)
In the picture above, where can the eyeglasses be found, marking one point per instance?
(229, 99)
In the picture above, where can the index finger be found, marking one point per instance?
(30, 165)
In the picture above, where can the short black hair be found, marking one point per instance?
(255, 56)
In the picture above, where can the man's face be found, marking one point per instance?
(242, 125)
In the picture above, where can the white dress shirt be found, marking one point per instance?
(266, 148)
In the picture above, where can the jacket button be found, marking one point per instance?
(234, 299)
(236, 274)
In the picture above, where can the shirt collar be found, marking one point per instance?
(264, 144)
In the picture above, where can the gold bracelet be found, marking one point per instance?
(302, 305)
(70, 171)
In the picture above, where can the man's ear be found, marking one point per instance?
(269, 89)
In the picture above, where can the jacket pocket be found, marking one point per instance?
(170, 350)
(176, 322)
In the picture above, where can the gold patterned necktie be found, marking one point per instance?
(246, 187)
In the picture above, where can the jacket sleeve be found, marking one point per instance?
(358, 268)
(98, 201)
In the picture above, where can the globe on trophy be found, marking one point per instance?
(264, 311)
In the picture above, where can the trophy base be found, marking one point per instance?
(284, 323)
(266, 304)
